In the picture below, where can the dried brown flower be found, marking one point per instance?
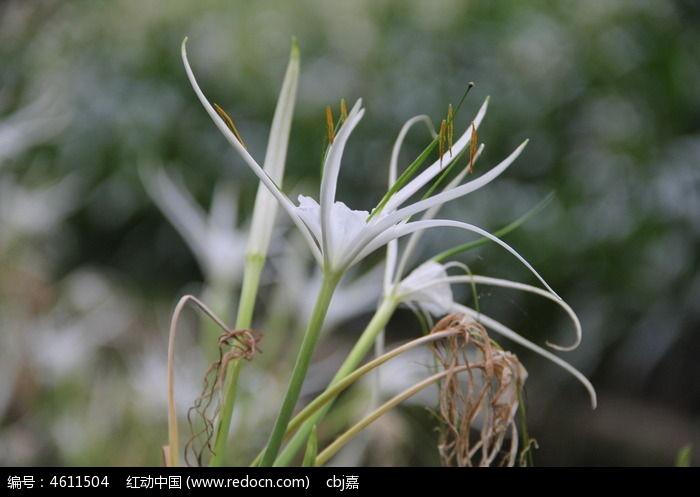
(477, 413)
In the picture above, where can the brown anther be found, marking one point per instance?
(450, 127)
(330, 125)
(343, 110)
(473, 148)
(229, 123)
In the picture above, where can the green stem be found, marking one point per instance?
(339, 442)
(308, 344)
(333, 391)
(357, 354)
(251, 280)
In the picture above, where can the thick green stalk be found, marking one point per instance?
(357, 354)
(308, 344)
(251, 281)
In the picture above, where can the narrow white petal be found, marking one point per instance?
(486, 280)
(392, 247)
(503, 330)
(331, 169)
(409, 228)
(259, 172)
(383, 223)
(429, 173)
(393, 163)
(265, 208)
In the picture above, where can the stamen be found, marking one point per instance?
(464, 95)
(229, 122)
(473, 147)
(343, 110)
(330, 126)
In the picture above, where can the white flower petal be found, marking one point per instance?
(310, 212)
(503, 330)
(486, 280)
(392, 247)
(331, 169)
(429, 214)
(379, 224)
(393, 163)
(345, 225)
(428, 287)
(409, 228)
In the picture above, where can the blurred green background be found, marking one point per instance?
(91, 91)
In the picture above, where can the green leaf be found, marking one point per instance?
(311, 450)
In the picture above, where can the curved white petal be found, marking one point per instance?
(331, 169)
(434, 169)
(259, 172)
(486, 280)
(265, 208)
(392, 247)
(393, 163)
(310, 212)
(379, 224)
(409, 228)
(503, 330)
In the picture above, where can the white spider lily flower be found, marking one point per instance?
(339, 236)
(428, 286)
(213, 238)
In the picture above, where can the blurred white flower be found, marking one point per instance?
(214, 238)
(35, 211)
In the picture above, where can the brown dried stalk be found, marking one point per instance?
(487, 397)
(233, 344)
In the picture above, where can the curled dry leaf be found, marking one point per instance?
(233, 345)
